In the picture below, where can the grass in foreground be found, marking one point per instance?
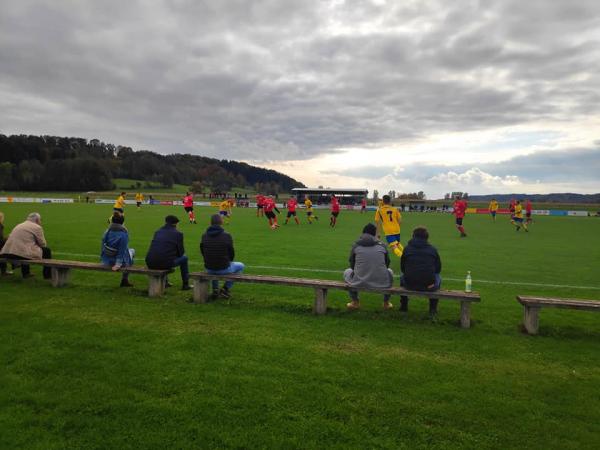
(95, 366)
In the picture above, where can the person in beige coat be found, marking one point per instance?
(27, 241)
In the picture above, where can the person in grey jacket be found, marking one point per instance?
(369, 266)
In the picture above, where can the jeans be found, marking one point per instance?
(182, 263)
(234, 267)
(348, 274)
(433, 302)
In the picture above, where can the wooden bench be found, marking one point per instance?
(202, 279)
(61, 271)
(532, 306)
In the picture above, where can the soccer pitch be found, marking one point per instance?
(96, 366)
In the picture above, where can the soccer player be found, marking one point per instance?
(268, 207)
(517, 219)
(291, 206)
(528, 212)
(388, 219)
(511, 208)
(260, 203)
(225, 210)
(120, 204)
(460, 208)
(363, 205)
(309, 210)
(335, 211)
(139, 198)
(493, 208)
(188, 205)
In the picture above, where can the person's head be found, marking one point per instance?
(421, 233)
(216, 220)
(386, 199)
(118, 218)
(518, 202)
(35, 218)
(171, 220)
(457, 197)
(493, 199)
(187, 193)
(123, 194)
(370, 229)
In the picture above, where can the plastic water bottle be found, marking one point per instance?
(468, 282)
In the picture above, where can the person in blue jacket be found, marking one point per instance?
(115, 248)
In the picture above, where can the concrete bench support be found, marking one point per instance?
(531, 320)
(320, 306)
(156, 285)
(200, 292)
(465, 314)
(60, 276)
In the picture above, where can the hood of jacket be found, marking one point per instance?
(419, 243)
(367, 240)
(214, 230)
(117, 227)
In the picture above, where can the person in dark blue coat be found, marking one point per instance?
(115, 250)
(421, 266)
(166, 250)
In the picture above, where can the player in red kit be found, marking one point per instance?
(363, 205)
(291, 206)
(268, 207)
(528, 208)
(460, 208)
(188, 205)
(260, 203)
(511, 208)
(335, 211)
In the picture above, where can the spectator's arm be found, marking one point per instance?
(352, 258)
(438, 263)
(40, 240)
(180, 248)
(230, 249)
(402, 262)
(387, 257)
(122, 252)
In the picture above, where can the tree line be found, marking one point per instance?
(38, 163)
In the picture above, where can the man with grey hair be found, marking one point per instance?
(27, 241)
(218, 253)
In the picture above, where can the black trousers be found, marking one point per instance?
(25, 270)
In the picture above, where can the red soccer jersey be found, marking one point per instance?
(363, 203)
(260, 200)
(335, 205)
(268, 204)
(291, 205)
(188, 201)
(512, 205)
(460, 207)
(528, 207)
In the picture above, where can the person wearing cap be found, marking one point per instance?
(217, 250)
(369, 266)
(166, 251)
(115, 251)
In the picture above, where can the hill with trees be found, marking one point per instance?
(43, 163)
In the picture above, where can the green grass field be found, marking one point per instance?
(96, 366)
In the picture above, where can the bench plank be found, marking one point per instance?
(532, 306)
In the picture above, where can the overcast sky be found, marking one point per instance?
(479, 96)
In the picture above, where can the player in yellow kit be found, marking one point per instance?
(493, 208)
(517, 219)
(389, 219)
(139, 198)
(225, 210)
(309, 210)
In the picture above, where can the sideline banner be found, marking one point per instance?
(35, 200)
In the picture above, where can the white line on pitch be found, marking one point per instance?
(307, 269)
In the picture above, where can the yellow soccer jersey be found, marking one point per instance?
(493, 206)
(519, 211)
(120, 202)
(139, 198)
(308, 204)
(390, 219)
(225, 206)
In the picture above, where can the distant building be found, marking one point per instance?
(321, 196)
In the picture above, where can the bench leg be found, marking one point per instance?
(60, 276)
(156, 285)
(465, 314)
(200, 291)
(531, 319)
(320, 306)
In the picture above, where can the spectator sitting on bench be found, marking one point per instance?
(166, 251)
(421, 266)
(3, 270)
(218, 253)
(27, 241)
(369, 266)
(115, 251)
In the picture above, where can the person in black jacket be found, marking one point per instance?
(218, 253)
(421, 266)
(166, 250)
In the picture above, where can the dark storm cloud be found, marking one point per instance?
(275, 80)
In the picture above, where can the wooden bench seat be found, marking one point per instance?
(61, 272)
(202, 279)
(532, 306)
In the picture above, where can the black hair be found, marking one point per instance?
(421, 233)
(370, 229)
(216, 219)
(117, 217)
(386, 199)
